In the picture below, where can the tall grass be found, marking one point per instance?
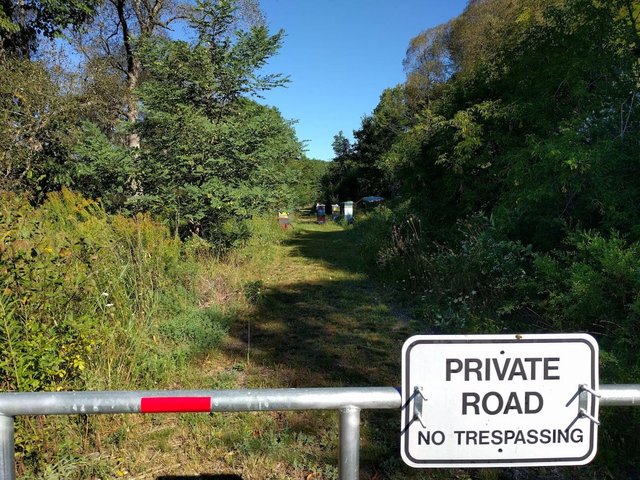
(95, 301)
(478, 281)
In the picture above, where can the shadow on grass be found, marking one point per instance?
(308, 327)
(338, 248)
(336, 331)
(204, 476)
(344, 333)
(331, 328)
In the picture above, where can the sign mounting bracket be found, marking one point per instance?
(418, 399)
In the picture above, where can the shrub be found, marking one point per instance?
(469, 284)
(595, 287)
(79, 306)
(46, 317)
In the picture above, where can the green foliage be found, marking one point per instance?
(471, 284)
(100, 169)
(340, 181)
(202, 174)
(73, 282)
(230, 56)
(22, 22)
(211, 158)
(83, 296)
(101, 96)
(515, 164)
(36, 128)
(595, 286)
(526, 112)
(254, 291)
(44, 324)
(304, 176)
(197, 331)
(362, 169)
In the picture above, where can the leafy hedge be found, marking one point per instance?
(93, 301)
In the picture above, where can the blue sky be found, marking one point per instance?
(340, 56)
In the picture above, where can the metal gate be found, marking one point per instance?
(348, 401)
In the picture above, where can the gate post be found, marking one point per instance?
(7, 445)
(349, 443)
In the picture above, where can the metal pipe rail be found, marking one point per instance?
(348, 401)
(619, 395)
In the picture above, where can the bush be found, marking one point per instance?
(470, 284)
(595, 287)
(79, 307)
(47, 306)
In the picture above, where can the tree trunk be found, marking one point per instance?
(133, 110)
(134, 68)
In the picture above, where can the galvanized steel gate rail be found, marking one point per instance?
(348, 401)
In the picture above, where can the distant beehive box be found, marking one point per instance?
(346, 209)
(283, 219)
(320, 213)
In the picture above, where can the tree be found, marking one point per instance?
(110, 45)
(366, 167)
(99, 169)
(305, 177)
(234, 56)
(112, 42)
(340, 181)
(428, 64)
(22, 21)
(37, 128)
(209, 155)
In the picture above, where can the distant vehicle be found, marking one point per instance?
(369, 203)
(372, 199)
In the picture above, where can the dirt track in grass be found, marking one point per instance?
(317, 320)
(320, 320)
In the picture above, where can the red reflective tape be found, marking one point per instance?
(175, 404)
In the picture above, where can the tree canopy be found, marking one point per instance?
(22, 21)
(506, 93)
(511, 154)
(154, 124)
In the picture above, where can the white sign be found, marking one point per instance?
(499, 400)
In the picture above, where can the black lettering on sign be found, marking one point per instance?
(512, 404)
(532, 362)
(436, 437)
(518, 369)
(470, 399)
(496, 365)
(528, 402)
(548, 367)
(576, 436)
(518, 437)
(472, 365)
(486, 401)
(453, 366)
(503, 369)
(493, 403)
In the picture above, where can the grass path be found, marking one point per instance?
(319, 320)
(315, 319)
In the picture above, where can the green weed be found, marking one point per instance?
(198, 329)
